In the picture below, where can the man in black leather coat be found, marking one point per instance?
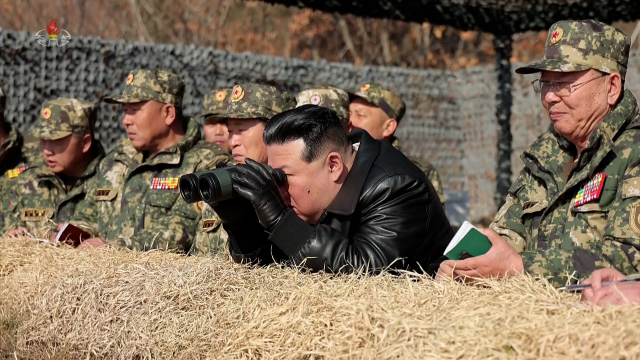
(349, 202)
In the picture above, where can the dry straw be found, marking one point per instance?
(62, 303)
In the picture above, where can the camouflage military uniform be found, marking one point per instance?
(248, 101)
(395, 108)
(328, 97)
(40, 199)
(17, 153)
(136, 202)
(557, 228)
(427, 168)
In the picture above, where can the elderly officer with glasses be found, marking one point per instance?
(575, 207)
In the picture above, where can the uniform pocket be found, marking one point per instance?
(593, 217)
(158, 205)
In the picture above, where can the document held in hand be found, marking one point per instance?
(468, 242)
(72, 235)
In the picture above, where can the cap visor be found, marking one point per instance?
(551, 65)
(123, 99)
(248, 115)
(363, 96)
(215, 115)
(45, 135)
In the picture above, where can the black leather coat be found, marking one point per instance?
(387, 215)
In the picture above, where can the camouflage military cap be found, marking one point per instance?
(328, 97)
(255, 101)
(158, 85)
(216, 103)
(583, 45)
(383, 98)
(63, 116)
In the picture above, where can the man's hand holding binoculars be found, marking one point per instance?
(254, 182)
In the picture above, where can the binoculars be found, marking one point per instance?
(212, 186)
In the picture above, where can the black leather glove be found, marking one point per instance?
(235, 211)
(253, 182)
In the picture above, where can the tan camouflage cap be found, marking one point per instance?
(383, 98)
(328, 97)
(62, 117)
(583, 45)
(255, 101)
(159, 85)
(216, 103)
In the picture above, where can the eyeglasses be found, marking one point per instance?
(560, 88)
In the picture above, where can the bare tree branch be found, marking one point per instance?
(144, 33)
(384, 40)
(344, 30)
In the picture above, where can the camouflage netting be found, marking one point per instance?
(494, 16)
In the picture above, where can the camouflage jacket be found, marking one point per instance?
(210, 235)
(558, 236)
(427, 168)
(16, 154)
(137, 204)
(41, 200)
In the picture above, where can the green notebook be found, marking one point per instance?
(468, 242)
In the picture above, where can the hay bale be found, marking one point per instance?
(65, 303)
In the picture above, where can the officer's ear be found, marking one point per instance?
(615, 88)
(169, 114)
(86, 143)
(389, 127)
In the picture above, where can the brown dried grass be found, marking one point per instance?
(62, 303)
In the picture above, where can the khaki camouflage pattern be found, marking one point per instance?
(583, 45)
(383, 98)
(211, 238)
(328, 97)
(216, 103)
(158, 85)
(558, 240)
(17, 152)
(126, 212)
(62, 117)
(39, 200)
(256, 101)
(427, 168)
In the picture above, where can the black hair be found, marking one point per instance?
(319, 128)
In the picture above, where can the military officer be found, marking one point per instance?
(575, 207)
(136, 202)
(215, 121)
(379, 110)
(46, 195)
(251, 107)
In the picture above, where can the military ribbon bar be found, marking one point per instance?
(164, 183)
(591, 191)
(14, 173)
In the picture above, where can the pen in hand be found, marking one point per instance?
(605, 283)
